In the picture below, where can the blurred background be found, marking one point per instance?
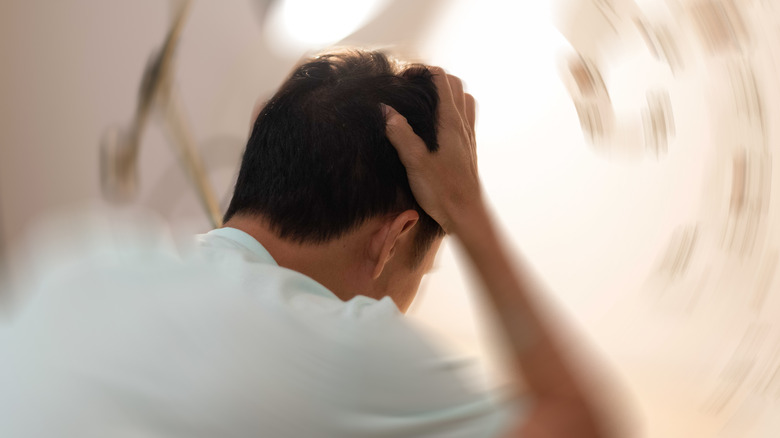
(627, 146)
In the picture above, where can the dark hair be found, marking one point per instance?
(318, 162)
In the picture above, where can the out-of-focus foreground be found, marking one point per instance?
(628, 147)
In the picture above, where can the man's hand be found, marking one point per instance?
(445, 183)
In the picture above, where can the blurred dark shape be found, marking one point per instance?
(751, 162)
(660, 41)
(658, 122)
(677, 258)
(219, 152)
(119, 147)
(738, 178)
(118, 164)
(591, 98)
(749, 201)
(603, 33)
(720, 25)
(748, 100)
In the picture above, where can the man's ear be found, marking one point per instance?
(383, 243)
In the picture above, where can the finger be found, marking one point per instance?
(408, 144)
(456, 85)
(446, 102)
(471, 111)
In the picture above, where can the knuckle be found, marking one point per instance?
(396, 120)
(437, 71)
(396, 125)
(454, 80)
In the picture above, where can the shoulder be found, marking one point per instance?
(263, 345)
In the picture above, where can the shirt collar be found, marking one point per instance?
(246, 241)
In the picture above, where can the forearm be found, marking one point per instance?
(446, 185)
(510, 288)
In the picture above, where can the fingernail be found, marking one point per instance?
(385, 110)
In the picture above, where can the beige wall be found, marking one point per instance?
(596, 229)
(72, 69)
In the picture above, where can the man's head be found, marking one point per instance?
(318, 164)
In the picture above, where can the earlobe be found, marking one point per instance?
(387, 238)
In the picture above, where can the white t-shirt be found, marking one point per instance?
(224, 343)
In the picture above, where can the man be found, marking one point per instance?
(288, 322)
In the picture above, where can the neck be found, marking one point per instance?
(336, 264)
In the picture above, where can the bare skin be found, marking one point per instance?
(446, 184)
(373, 260)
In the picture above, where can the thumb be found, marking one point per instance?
(408, 144)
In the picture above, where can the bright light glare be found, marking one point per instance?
(507, 59)
(306, 24)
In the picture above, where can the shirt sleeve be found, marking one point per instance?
(137, 343)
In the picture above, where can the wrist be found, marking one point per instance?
(470, 221)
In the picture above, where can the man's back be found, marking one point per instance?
(354, 172)
(224, 342)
